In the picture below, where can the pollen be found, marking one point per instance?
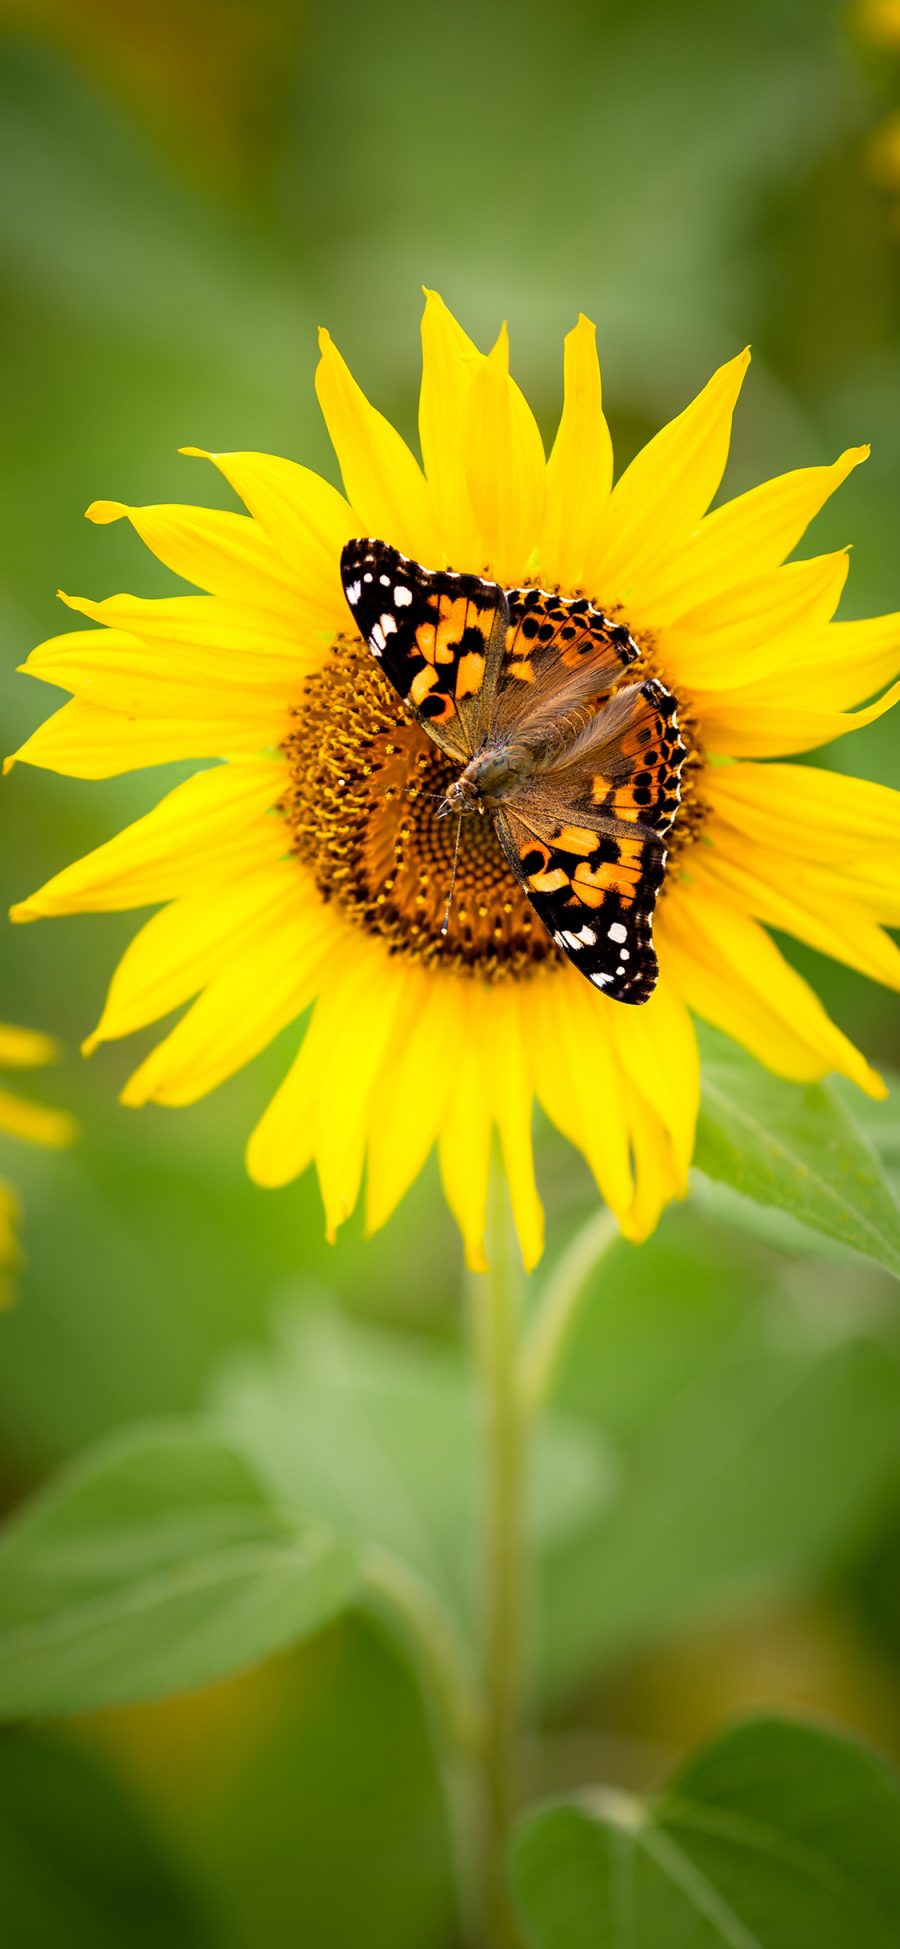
(365, 787)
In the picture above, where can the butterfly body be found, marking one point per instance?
(577, 763)
(498, 770)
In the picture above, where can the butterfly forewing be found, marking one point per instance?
(439, 637)
(560, 651)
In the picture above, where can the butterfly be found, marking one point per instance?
(580, 769)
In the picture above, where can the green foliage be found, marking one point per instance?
(796, 1148)
(335, 1831)
(378, 1436)
(79, 1863)
(754, 1436)
(156, 1565)
(776, 1835)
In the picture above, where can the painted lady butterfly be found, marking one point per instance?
(580, 772)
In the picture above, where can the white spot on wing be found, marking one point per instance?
(402, 596)
(377, 638)
(354, 591)
(601, 980)
(618, 933)
(388, 625)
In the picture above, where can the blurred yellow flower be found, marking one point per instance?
(24, 1049)
(879, 21)
(273, 863)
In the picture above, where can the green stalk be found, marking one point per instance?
(558, 1308)
(496, 1307)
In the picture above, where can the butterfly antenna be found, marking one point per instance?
(446, 920)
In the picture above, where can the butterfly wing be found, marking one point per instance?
(586, 840)
(439, 638)
(560, 653)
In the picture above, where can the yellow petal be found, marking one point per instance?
(25, 1048)
(305, 518)
(826, 814)
(464, 1144)
(325, 1105)
(755, 627)
(779, 891)
(210, 827)
(577, 1067)
(226, 554)
(745, 537)
(737, 726)
(507, 1072)
(657, 1177)
(187, 944)
(384, 484)
(666, 490)
(839, 666)
(505, 466)
(120, 673)
(265, 983)
(412, 1091)
(449, 363)
(735, 977)
(216, 624)
(85, 741)
(579, 470)
(658, 1051)
(34, 1121)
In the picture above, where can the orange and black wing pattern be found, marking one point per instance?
(586, 839)
(560, 651)
(439, 637)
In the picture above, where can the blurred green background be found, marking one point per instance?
(188, 187)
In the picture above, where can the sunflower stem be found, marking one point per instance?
(495, 1315)
(558, 1308)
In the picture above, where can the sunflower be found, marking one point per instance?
(307, 870)
(24, 1049)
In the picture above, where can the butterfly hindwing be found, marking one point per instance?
(586, 839)
(597, 904)
(439, 637)
(625, 764)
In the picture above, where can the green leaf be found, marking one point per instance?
(757, 1431)
(79, 1864)
(796, 1147)
(155, 1565)
(332, 1832)
(377, 1434)
(777, 1835)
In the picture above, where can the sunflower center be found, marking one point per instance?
(364, 787)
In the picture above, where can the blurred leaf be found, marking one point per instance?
(778, 1834)
(155, 1565)
(795, 1147)
(334, 1831)
(758, 1431)
(879, 1120)
(378, 1435)
(764, 1225)
(78, 1866)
